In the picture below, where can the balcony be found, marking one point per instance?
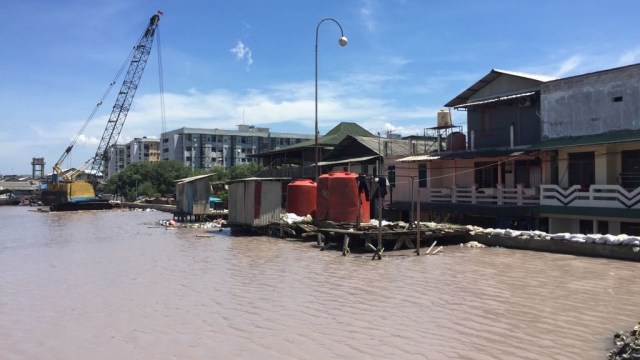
(499, 196)
(598, 196)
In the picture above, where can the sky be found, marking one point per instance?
(225, 63)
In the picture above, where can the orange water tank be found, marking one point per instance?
(338, 199)
(456, 141)
(301, 197)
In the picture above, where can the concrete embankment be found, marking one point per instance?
(622, 247)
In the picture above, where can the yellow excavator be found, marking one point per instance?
(65, 192)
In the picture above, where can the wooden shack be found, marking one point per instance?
(256, 202)
(192, 197)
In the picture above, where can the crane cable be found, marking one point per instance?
(104, 96)
(161, 82)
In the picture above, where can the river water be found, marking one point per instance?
(114, 285)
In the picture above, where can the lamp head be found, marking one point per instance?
(343, 41)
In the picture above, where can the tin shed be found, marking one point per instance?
(192, 195)
(256, 201)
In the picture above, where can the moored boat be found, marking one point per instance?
(7, 197)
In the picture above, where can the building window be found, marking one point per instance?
(422, 175)
(188, 148)
(630, 174)
(582, 169)
(586, 226)
(603, 227)
(391, 170)
(630, 228)
(617, 99)
(486, 174)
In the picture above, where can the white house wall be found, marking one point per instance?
(591, 104)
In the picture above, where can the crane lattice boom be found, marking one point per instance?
(125, 97)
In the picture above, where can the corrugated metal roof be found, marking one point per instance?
(464, 96)
(258, 179)
(418, 158)
(496, 99)
(193, 178)
(483, 153)
(329, 140)
(543, 78)
(343, 161)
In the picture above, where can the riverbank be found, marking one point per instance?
(620, 247)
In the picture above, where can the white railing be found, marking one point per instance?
(483, 196)
(601, 196)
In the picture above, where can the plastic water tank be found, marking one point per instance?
(301, 197)
(338, 199)
(456, 141)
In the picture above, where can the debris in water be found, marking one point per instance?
(627, 344)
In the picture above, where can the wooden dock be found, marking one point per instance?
(366, 237)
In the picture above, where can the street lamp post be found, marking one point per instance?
(343, 42)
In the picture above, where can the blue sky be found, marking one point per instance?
(252, 61)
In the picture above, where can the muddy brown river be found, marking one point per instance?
(114, 285)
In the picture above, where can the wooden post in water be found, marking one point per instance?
(379, 220)
(345, 245)
(418, 224)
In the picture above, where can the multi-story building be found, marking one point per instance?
(591, 153)
(489, 176)
(206, 148)
(138, 149)
(560, 155)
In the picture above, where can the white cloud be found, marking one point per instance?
(287, 107)
(87, 140)
(630, 56)
(367, 15)
(243, 53)
(568, 65)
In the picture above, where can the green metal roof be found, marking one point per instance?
(330, 139)
(605, 138)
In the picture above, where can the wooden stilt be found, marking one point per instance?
(345, 246)
(328, 246)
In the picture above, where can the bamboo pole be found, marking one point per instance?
(431, 247)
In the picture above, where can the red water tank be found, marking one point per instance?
(338, 199)
(301, 197)
(456, 141)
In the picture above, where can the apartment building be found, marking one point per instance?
(138, 149)
(206, 148)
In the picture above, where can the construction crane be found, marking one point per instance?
(65, 192)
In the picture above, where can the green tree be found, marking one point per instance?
(159, 178)
(148, 178)
(245, 170)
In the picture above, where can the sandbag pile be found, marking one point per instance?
(608, 239)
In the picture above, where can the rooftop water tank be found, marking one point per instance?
(456, 141)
